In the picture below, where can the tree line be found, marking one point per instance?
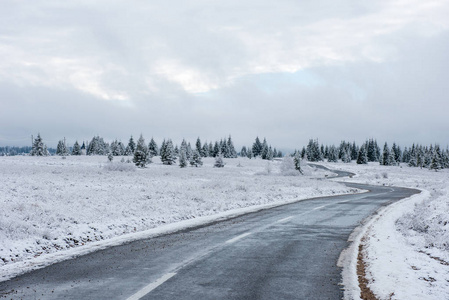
(432, 156)
(142, 153)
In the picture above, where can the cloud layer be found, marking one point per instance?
(288, 71)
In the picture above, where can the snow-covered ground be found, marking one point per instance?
(406, 246)
(54, 208)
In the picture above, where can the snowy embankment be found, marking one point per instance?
(53, 208)
(406, 245)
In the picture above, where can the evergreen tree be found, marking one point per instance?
(372, 151)
(141, 157)
(270, 154)
(216, 150)
(297, 161)
(264, 152)
(97, 146)
(362, 157)
(205, 152)
(249, 154)
(131, 146)
(354, 151)
(332, 154)
(231, 149)
(199, 148)
(168, 157)
(257, 147)
(162, 150)
(76, 149)
(435, 163)
(183, 156)
(313, 151)
(211, 150)
(243, 152)
(152, 148)
(303, 153)
(189, 152)
(386, 156)
(428, 154)
(392, 159)
(39, 148)
(219, 161)
(397, 153)
(196, 159)
(61, 149)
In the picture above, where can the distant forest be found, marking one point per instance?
(431, 156)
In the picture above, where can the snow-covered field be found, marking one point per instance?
(54, 208)
(406, 246)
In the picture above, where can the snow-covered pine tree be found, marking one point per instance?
(39, 148)
(391, 158)
(183, 157)
(243, 152)
(152, 148)
(97, 146)
(354, 151)
(198, 146)
(297, 161)
(219, 161)
(168, 157)
(216, 149)
(205, 151)
(61, 149)
(332, 154)
(196, 159)
(116, 148)
(264, 152)
(412, 160)
(385, 161)
(249, 154)
(435, 163)
(303, 153)
(257, 147)
(346, 156)
(396, 149)
(131, 146)
(76, 150)
(189, 152)
(141, 153)
(231, 148)
(270, 154)
(362, 157)
(371, 151)
(211, 150)
(428, 154)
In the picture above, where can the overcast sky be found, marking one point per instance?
(286, 70)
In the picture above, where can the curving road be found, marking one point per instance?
(288, 252)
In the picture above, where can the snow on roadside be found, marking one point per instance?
(54, 208)
(406, 245)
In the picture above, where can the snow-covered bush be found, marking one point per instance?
(288, 167)
(428, 223)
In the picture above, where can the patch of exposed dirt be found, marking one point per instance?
(366, 293)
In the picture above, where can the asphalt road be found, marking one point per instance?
(288, 252)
